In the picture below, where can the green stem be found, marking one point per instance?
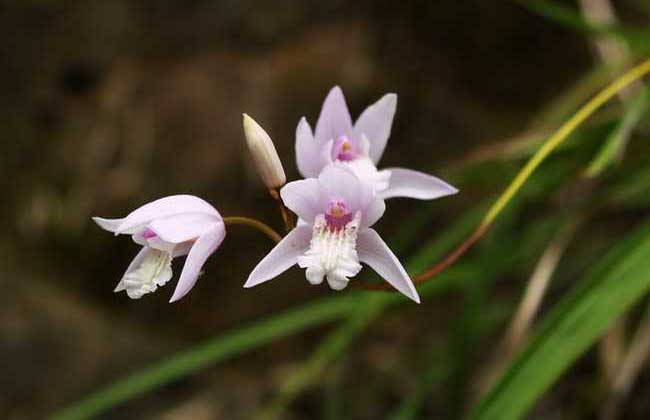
(255, 224)
(547, 148)
(562, 134)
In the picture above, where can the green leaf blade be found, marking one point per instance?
(621, 278)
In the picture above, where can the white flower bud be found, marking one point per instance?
(264, 154)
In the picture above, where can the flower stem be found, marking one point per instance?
(255, 224)
(549, 146)
(287, 216)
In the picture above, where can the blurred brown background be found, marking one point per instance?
(108, 105)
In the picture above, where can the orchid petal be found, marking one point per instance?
(284, 255)
(325, 156)
(414, 184)
(341, 183)
(373, 251)
(182, 249)
(303, 198)
(110, 225)
(364, 146)
(373, 211)
(376, 122)
(199, 253)
(164, 207)
(183, 227)
(308, 151)
(135, 263)
(334, 120)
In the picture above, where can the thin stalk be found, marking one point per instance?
(288, 218)
(255, 224)
(544, 151)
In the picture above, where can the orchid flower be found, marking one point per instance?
(360, 147)
(167, 228)
(333, 236)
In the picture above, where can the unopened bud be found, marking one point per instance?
(264, 154)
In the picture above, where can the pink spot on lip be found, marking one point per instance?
(337, 214)
(149, 234)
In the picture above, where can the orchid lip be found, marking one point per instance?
(332, 252)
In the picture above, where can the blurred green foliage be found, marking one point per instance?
(424, 362)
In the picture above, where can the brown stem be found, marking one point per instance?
(436, 269)
(287, 215)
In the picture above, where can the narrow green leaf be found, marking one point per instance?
(615, 144)
(211, 352)
(615, 284)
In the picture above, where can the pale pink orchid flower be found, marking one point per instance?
(359, 147)
(170, 227)
(333, 236)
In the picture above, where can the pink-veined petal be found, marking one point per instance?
(308, 151)
(110, 225)
(183, 227)
(376, 122)
(334, 120)
(284, 255)
(303, 198)
(164, 207)
(414, 184)
(199, 253)
(373, 251)
(135, 263)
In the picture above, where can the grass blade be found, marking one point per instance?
(615, 284)
(210, 352)
(615, 143)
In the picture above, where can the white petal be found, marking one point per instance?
(183, 227)
(373, 210)
(303, 198)
(326, 155)
(364, 146)
(367, 173)
(199, 253)
(308, 151)
(339, 182)
(182, 249)
(110, 225)
(342, 181)
(373, 251)
(135, 263)
(334, 120)
(282, 257)
(376, 122)
(164, 207)
(414, 184)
